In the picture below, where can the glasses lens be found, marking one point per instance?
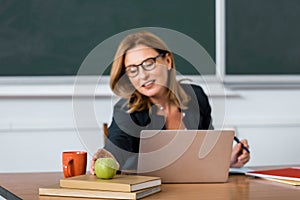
(131, 71)
(148, 64)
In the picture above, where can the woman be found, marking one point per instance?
(143, 74)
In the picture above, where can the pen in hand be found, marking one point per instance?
(238, 141)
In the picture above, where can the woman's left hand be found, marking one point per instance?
(239, 156)
(101, 153)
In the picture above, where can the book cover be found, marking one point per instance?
(289, 182)
(289, 173)
(56, 190)
(120, 183)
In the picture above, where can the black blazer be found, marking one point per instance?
(123, 133)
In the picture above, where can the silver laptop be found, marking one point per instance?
(186, 156)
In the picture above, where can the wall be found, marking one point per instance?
(35, 129)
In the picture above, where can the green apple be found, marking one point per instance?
(106, 168)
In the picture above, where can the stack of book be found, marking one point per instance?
(120, 187)
(287, 175)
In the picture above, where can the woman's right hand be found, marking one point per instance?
(101, 153)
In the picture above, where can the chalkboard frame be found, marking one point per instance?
(66, 76)
(221, 75)
(243, 80)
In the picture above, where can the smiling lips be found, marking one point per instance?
(148, 84)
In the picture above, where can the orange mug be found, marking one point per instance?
(74, 163)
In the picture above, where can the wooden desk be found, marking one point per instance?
(25, 186)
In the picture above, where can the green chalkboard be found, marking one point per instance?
(52, 38)
(262, 37)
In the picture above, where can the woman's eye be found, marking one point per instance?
(148, 62)
(132, 69)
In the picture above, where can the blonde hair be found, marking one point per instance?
(121, 85)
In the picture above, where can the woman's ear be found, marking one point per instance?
(168, 60)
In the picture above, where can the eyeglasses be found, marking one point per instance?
(147, 65)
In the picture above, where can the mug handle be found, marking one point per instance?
(68, 168)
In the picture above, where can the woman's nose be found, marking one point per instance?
(142, 73)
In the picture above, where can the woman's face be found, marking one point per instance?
(152, 83)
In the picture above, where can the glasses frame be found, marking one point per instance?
(143, 65)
